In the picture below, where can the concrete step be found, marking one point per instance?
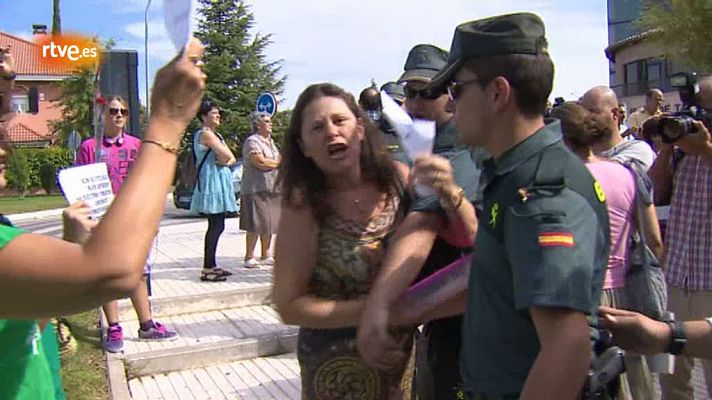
(248, 294)
(207, 338)
(261, 378)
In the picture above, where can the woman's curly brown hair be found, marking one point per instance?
(302, 182)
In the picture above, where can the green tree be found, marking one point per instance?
(18, 171)
(684, 29)
(76, 104)
(236, 65)
(56, 19)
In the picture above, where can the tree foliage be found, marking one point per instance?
(37, 167)
(236, 64)
(56, 18)
(76, 103)
(685, 29)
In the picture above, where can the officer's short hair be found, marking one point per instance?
(530, 75)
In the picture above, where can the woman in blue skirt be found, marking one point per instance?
(213, 194)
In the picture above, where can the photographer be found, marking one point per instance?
(686, 184)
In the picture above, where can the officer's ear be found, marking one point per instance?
(500, 93)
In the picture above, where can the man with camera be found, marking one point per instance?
(682, 177)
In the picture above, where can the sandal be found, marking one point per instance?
(222, 272)
(212, 276)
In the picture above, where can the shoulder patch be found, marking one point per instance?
(600, 194)
(556, 239)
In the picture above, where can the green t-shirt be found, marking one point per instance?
(24, 371)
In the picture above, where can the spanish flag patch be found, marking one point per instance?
(553, 239)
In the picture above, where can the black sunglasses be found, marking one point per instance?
(454, 89)
(424, 94)
(113, 111)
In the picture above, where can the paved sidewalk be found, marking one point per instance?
(232, 343)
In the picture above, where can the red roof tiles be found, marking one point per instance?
(26, 62)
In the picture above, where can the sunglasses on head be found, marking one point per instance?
(424, 94)
(454, 89)
(114, 111)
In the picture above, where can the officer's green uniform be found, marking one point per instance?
(539, 244)
(543, 235)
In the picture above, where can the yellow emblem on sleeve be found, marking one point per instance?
(599, 191)
(494, 212)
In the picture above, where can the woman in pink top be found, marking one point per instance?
(582, 130)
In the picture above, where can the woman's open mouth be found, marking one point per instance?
(337, 150)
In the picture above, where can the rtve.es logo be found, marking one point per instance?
(68, 50)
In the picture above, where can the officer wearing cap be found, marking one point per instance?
(395, 90)
(542, 244)
(416, 250)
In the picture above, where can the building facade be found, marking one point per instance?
(34, 98)
(637, 62)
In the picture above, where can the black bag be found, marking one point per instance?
(645, 286)
(189, 171)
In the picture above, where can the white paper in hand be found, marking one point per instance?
(178, 17)
(416, 137)
(89, 183)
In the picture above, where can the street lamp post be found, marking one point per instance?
(145, 54)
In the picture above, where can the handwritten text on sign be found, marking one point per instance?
(89, 183)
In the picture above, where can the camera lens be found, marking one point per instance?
(672, 128)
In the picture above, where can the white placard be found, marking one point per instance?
(416, 137)
(178, 17)
(89, 183)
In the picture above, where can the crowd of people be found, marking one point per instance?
(543, 210)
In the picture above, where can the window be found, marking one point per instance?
(655, 72)
(633, 71)
(21, 103)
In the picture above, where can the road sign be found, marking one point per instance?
(74, 140)
(267, 102)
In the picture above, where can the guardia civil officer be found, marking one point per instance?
(543, 239)
(417, 249)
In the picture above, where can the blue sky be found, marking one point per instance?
(348, 43)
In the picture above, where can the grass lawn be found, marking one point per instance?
(14, 205)
(84, 373)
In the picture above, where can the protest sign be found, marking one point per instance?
(89, 183)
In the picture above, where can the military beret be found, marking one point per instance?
(520, 33)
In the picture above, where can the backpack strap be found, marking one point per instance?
(200, 166)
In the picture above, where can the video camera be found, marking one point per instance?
(676, 125)
(607, 365)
